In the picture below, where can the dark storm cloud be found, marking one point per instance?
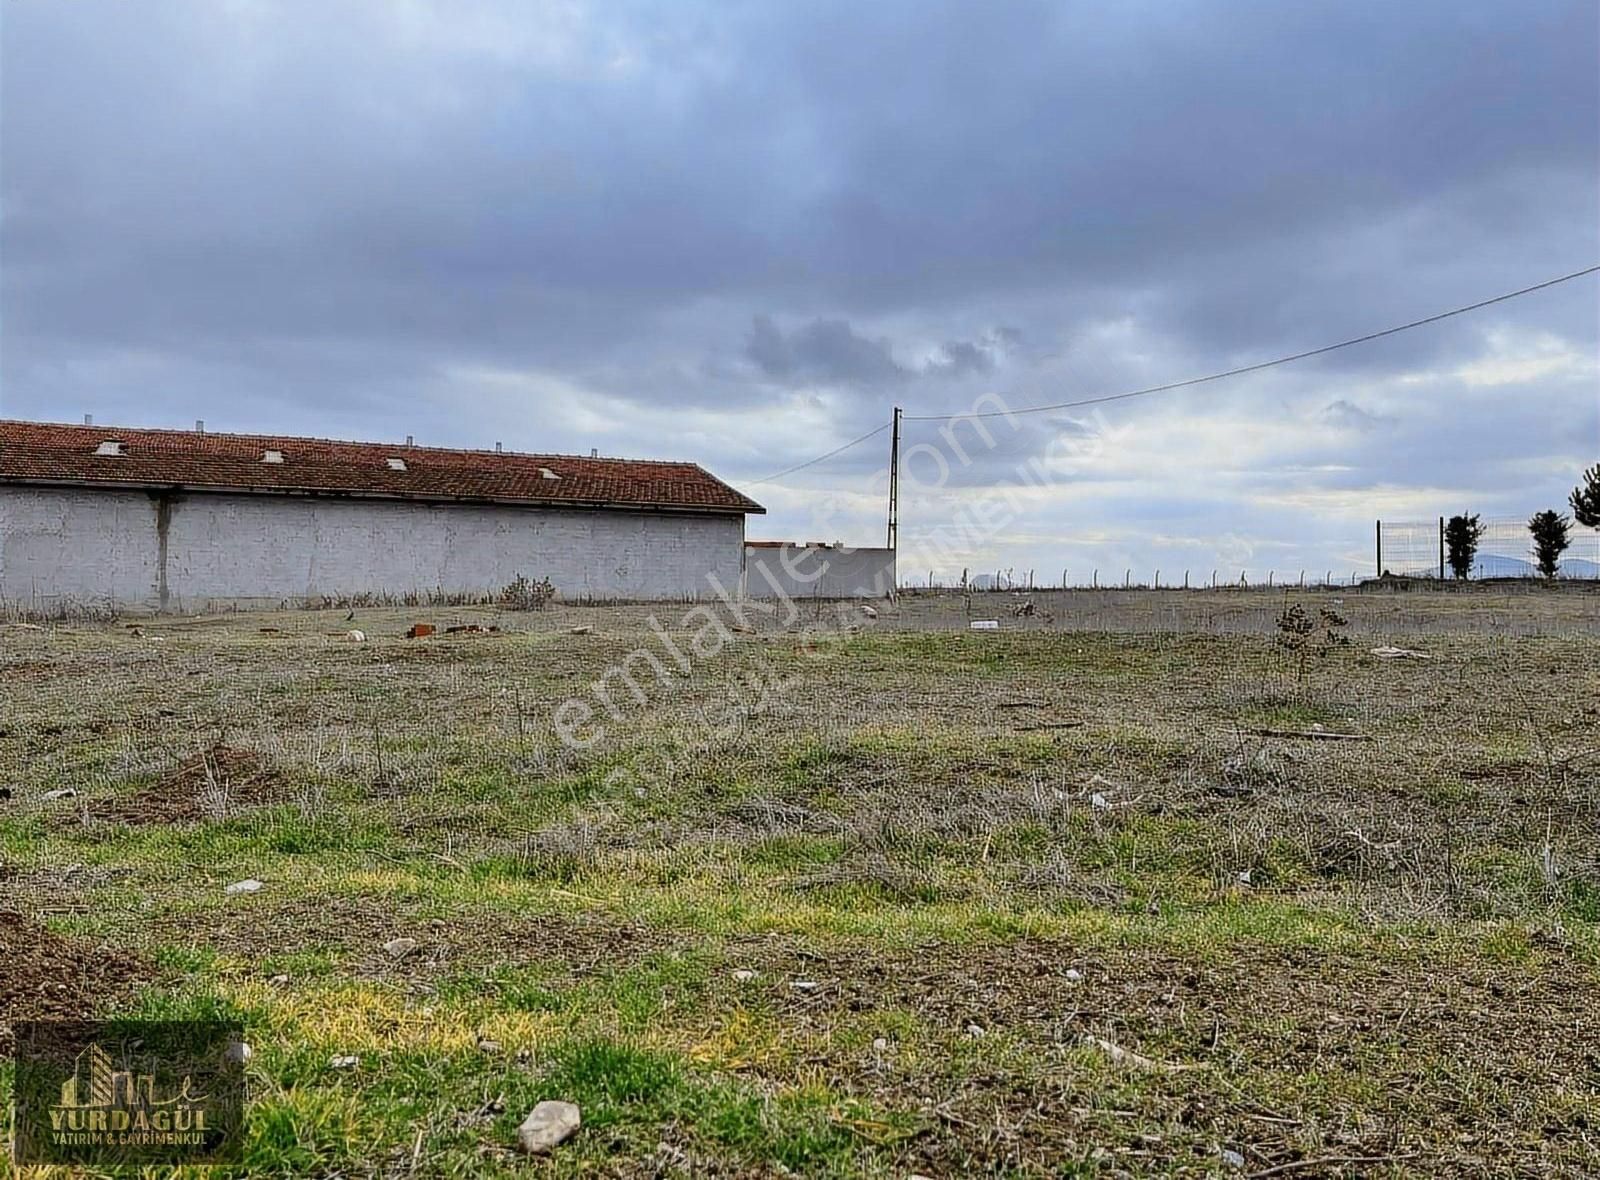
(745, 232)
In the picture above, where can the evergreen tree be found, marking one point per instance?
(1550, 539)
(1461, 537)
(1585, 499)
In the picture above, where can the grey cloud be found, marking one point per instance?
(825, 350)
(316, 218)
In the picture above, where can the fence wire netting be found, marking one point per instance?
(1413, 549)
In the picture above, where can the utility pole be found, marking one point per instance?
(1441, 549)
(893, 541)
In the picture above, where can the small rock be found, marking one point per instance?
(744, 975)
(879, 1044)
(248, 885)
(548, 1125)
(1073, 975)
(1099, 802)
(240, 1053)
(344, 1061)
(583, 630)
(400, 947)
(1244, 877)
(804, 985)
(975, 1032)
(278, 980)
(63, 793)
(488, 1046)
(1232, 1159)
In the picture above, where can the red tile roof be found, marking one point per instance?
(45, 453)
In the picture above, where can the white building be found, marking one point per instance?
(191, 521)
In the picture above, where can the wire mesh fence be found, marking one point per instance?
(1416, 548)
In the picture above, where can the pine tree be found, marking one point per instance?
(1585, 499)
(1461, 537)
(1550, 539)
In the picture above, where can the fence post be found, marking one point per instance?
(1158, 579)
(1380, 548)
(1185, 579)
(1441, 549)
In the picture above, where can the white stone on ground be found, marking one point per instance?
(548, 1125)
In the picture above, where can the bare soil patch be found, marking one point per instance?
(46, 976)
(210, 785)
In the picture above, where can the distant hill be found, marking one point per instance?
(1496, 566)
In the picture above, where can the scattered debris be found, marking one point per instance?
(585, 629)
(880, 1044)
(744, 975)
(1099, 802)
(248, 885)
(1023, 610)
(984, 625)
(975, 1032)
(279, 980)
(61, 793)
(356, 636)
(398, 948)
(1073, 975)
(1232, 1159)
(870, 612)
(487, 1046)
(1400, 653)
(1134, 1060)
(471, 629)
(1315, 734)
(804, 985)
(344, 1061)
(420, 630)
(548, 1125)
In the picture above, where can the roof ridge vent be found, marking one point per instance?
(111, 448)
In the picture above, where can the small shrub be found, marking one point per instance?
(1303, 635)
(522, 594)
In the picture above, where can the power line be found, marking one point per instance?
(836, 451)
(1255, 368)
(1133, 393)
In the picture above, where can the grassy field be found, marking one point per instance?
(1122, 888)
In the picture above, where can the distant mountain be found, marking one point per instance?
(1497, 566)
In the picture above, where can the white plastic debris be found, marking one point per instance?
(356, 636)
(248, 885)
(984, 625)
(63, 793)
(344, 1061)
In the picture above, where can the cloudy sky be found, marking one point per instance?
(741, 233)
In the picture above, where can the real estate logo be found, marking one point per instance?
(128, 1092)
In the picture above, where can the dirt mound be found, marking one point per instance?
(50, 977)
(211, 785)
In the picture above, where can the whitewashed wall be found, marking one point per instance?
(813, 571)
(107, 548)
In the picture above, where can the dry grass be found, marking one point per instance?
(1123, 823)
